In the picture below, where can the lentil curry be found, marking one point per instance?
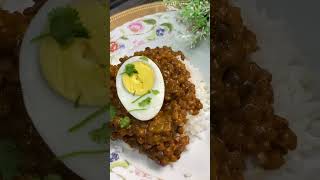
(162, 138)
(244, 122)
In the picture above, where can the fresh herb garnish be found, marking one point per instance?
(89, 118)
(130, 70)
(137, 110)
(155, 92)
(145, 102)
(64, 26)
(143, 58)
(140, 97)
(10, 159)
(125, 122)
(100, 135)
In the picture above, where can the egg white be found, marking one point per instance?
(126, 98)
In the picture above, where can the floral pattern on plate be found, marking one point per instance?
(152, 29)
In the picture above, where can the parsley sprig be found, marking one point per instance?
(130, 70)
(125, 122)
(145, 102)
(64, 26)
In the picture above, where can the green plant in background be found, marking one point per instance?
(195, 14)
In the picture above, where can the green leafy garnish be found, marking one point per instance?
(155, 92)
(89, 118)
(140, 97)
(10, 160)
(137, 110)
(130, 70)
(65, 25)
(150, 21)
(143, 58)
(100, 135)
(145, 102)
(125, 122)
(81, 153)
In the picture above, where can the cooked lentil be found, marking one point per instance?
(162, 138)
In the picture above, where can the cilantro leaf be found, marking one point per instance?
(125, 122)
(100, 135)
(130, 69)
(155, 92)
(145, 102)
(10, 159)
(65, 25)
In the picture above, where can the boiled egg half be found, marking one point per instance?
(140, 87)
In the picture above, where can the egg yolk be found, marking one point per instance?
(139, 83)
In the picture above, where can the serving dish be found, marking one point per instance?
(151, 25)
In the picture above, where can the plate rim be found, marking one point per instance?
(135, 12)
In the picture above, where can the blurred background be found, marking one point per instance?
(23, 153)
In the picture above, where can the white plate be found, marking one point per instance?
(51, 114)
(135, 36)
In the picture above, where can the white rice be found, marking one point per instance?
(197, 126)
(201, 122)
(295, 96)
